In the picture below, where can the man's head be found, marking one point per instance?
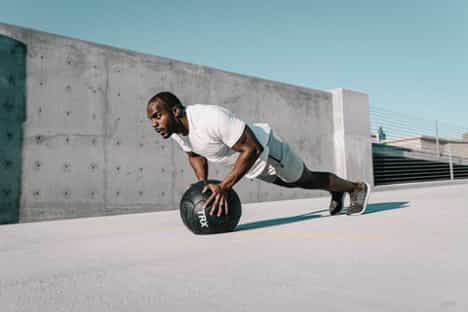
(165, 112)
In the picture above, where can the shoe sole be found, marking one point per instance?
(365, 202)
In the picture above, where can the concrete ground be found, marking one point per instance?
(408, 253)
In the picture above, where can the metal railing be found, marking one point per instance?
(410, 149)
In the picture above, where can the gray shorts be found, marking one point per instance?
(283, 162)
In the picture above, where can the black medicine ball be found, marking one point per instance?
(198, 220)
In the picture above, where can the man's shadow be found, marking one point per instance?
(371, 208)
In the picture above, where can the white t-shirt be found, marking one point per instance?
(213, 130)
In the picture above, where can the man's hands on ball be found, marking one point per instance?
(220, 197)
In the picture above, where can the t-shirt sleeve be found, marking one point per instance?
(181, 143)
(227, 127)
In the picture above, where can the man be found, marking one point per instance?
(212, 133)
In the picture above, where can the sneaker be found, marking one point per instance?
(336, 203)
(359, 200)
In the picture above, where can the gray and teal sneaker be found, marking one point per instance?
(358, 200)
(336, 203)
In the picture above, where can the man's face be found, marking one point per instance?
(162, 119)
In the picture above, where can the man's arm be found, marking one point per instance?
(249, 150)
(199, 165)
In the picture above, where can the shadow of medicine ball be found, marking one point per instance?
(198, 220)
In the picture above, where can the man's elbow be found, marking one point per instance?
(256, 151)
(259, 150)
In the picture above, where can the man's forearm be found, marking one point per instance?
(200, 167)
(243, 164)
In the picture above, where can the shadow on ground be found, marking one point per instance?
(279, 221)
(371, 208)
(378, 207)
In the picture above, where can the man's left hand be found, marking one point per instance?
(220, 197)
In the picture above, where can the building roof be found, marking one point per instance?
(427, 138)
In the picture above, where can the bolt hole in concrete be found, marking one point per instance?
(7, 164)
(12, 81)
(8, 106)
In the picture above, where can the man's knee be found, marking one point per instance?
(280, 182)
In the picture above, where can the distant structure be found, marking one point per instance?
(381, 134)
(429, 143)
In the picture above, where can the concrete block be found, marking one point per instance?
(353, 149)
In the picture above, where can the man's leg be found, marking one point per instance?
(320, 180)
(335, 185)
(325, 181)
(284, 166)
(358, 191)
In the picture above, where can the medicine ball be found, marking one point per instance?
(198, 220)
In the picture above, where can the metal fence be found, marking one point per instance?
(409, 149)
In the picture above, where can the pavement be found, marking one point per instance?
(405, 254)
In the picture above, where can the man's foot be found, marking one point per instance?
(336, 203)
(359, 198)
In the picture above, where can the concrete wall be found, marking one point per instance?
(89, 150)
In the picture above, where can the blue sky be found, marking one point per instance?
(409, 56)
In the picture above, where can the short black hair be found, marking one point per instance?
(168, 98)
